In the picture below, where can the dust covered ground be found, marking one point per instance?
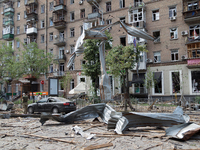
(28, 134)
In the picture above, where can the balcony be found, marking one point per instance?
(8, 11)
(58, 73)
(192, 16)
(31, 31)
(29, 2)
(8, 23)
(94, 15)
(60, 58)
(60, 42)
(60, 24)
(91, 1)
(136, 5)
(8, 37)
(32, 16)
(60, 7)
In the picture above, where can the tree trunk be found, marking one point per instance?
(127, 92)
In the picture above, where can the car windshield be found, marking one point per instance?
(62, 99)
(44, 100)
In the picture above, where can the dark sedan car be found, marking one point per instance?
(52, 104)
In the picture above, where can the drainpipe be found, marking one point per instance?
(46, 10)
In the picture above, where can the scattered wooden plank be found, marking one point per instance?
(91, 147)
(153, 146)
(54, 139)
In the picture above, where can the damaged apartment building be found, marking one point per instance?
(55, 25)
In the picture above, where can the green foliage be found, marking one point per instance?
(34, 60)
(197, 99)
(108, 45)
(65, 81)
(10, 66)
(121, 58)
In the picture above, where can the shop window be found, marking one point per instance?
(195, 81)
(157, 82)
(175, 82)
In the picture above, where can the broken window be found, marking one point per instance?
(72, 49)
(138, 3)
(175, 82)
(194, 31)
(72, 32)
(156, 34)
(172, 11)
(50, 36)
(156, 57)
(195, 81)
(174, 33)
(94, 9)
(51, 68)
(72, 84)
(155, 15)
(174, 55)
(71, 16)
(82, 14)
(121, 3)
(123, 41)
(61, 52)
(108, 6)
(193, 5)
(157, 76)
(109, 21)
(61, 85)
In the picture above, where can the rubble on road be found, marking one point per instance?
(183, 131)
(6, 105)
(121, 122)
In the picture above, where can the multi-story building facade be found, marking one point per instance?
(56, 25)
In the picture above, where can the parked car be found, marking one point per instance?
(52, 104)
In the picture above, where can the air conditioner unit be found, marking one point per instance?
(183, 57)
(67, 51)
(149, 60)
(184, 33)
(172, 18)
(55, 36)
(2, 12)
(55, 70)
(81, 2)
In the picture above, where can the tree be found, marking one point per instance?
(10, 65)
(120, 59)
(65, 82)
(91, 55)
(34, 61)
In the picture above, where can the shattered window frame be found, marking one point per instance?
(175, 81)
(158, 83)
(195, 81)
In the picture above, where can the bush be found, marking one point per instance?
(197, 99)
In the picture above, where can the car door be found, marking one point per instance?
(50, 104)
(41, 105)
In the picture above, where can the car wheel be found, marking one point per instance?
(55, 110)
(30, 110)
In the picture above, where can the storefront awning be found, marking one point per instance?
(78, 89)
